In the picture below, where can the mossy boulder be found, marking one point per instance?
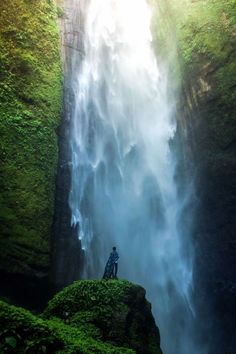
(101, 317)
(30, 105)
(23, 332)
(115, 312)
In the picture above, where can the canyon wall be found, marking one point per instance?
(206, 48)
(30, 108)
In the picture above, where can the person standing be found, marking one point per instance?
(111, 268)
(115, 258)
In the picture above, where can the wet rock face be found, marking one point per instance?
(211, 135)
(115, 312)
(66, 251)
(207, 128)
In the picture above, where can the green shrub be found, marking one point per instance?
(22, 332)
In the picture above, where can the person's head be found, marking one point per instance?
(114, 248)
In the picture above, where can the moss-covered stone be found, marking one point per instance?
(101, 317)
(23, 332)
(206, 41)
(20, 331)
(30, 103)
(113, 311)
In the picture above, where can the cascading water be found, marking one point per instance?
(123, 189)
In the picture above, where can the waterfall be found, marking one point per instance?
(123, 187)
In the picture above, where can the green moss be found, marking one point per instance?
(101, 317)
(96, 296)
(80, 341)
(113, 311)
(60, 11)
(206, 43)
(22, 332)
(206, 28)
(205, 39)
(30, 104)
(27, 332)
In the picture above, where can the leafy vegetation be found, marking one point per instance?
(113, 311)
(194, 31)
(206, 33)
(22, 332)
(201, 35)
(86, 317)
(30, 104)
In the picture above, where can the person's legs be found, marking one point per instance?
(112, 269)
(116, 269)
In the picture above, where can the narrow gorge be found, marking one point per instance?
(118, 129)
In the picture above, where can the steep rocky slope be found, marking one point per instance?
(30, 105)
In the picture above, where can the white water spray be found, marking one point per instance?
(123, 189)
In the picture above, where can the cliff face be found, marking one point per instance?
(87, 317)
(30, 96)
(201, 35)
(66, 248)
(207, 50)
